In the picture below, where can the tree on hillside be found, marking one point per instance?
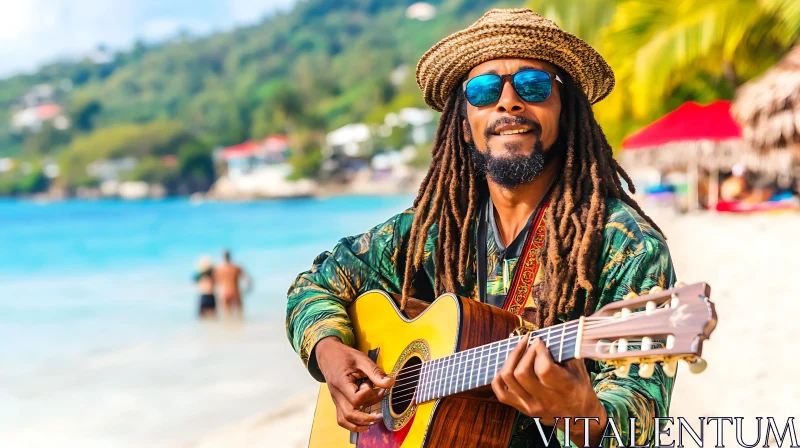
(82, 114)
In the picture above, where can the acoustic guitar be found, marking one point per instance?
(444, 358)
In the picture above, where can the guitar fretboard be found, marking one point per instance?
(476, 367)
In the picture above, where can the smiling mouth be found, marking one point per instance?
(514, 131)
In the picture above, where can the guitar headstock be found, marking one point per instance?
(663, 326)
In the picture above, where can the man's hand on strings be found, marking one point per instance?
(342, 366)
(534, 384)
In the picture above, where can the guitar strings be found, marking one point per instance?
(589, 323)
(537, 333)
(456, 371)
(410, 391)
(496, 345)
(455, 374)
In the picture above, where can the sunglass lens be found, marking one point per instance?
(533, 86)
(484, 89)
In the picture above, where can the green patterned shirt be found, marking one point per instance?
(634, 258)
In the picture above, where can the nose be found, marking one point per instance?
(509, 100)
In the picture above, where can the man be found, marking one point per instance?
(517, 154)
(227, 276)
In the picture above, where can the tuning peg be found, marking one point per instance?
(630, 295)
(680, 284)
(622, 370)
(650, 307)
(646, 370)
(697, 365)
(670, 367)
(656, 289)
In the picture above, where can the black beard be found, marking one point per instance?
(512, 170)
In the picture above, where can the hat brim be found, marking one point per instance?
(442, 67)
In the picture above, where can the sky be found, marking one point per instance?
(34, 32)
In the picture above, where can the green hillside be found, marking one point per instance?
(320, 66)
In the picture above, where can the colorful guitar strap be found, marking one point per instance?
(528, 264)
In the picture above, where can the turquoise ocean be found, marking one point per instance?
(99, 340)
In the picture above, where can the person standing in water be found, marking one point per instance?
(227, 275)
(204, 279)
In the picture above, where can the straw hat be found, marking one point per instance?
(510, 33)
(204, 263)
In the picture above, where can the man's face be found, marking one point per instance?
(510, 159)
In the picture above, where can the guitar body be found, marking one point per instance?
(450, 324)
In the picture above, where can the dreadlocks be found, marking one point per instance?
(448, 198)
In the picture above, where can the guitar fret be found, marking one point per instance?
(451, 374)
(463, 372)
(462, 359)
(418, 392)
(449, 378)
(429, 379)
(456, 371)
(427, 382)
(561, 344)
(435, 389)
(496, 359)
(442, 371)
(463, 379)
(472, 369)
(480, 361)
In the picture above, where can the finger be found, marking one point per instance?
(360, 418)
(367, 395)
(374, 373)
(516, 354)
(525, 372)
(353, 415)
(500, 390)
(510, 365)
(345, 405)
(549, 373)
(348, 425)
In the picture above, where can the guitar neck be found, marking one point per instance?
(476, 367)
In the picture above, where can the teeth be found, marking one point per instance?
(514, 131)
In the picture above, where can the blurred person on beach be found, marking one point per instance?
(204, 279)
(734, 188)
(228, 277)
(523, 190)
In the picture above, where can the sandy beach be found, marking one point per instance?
(749, 262)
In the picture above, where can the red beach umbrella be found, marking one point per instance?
(689, 137)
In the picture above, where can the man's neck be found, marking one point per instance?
(515, 206)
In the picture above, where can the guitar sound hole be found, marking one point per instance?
(405, 385)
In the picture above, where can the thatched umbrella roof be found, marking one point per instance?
(768, 107)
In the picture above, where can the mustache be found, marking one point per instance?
(536, 128)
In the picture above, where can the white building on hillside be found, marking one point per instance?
(351, 141)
